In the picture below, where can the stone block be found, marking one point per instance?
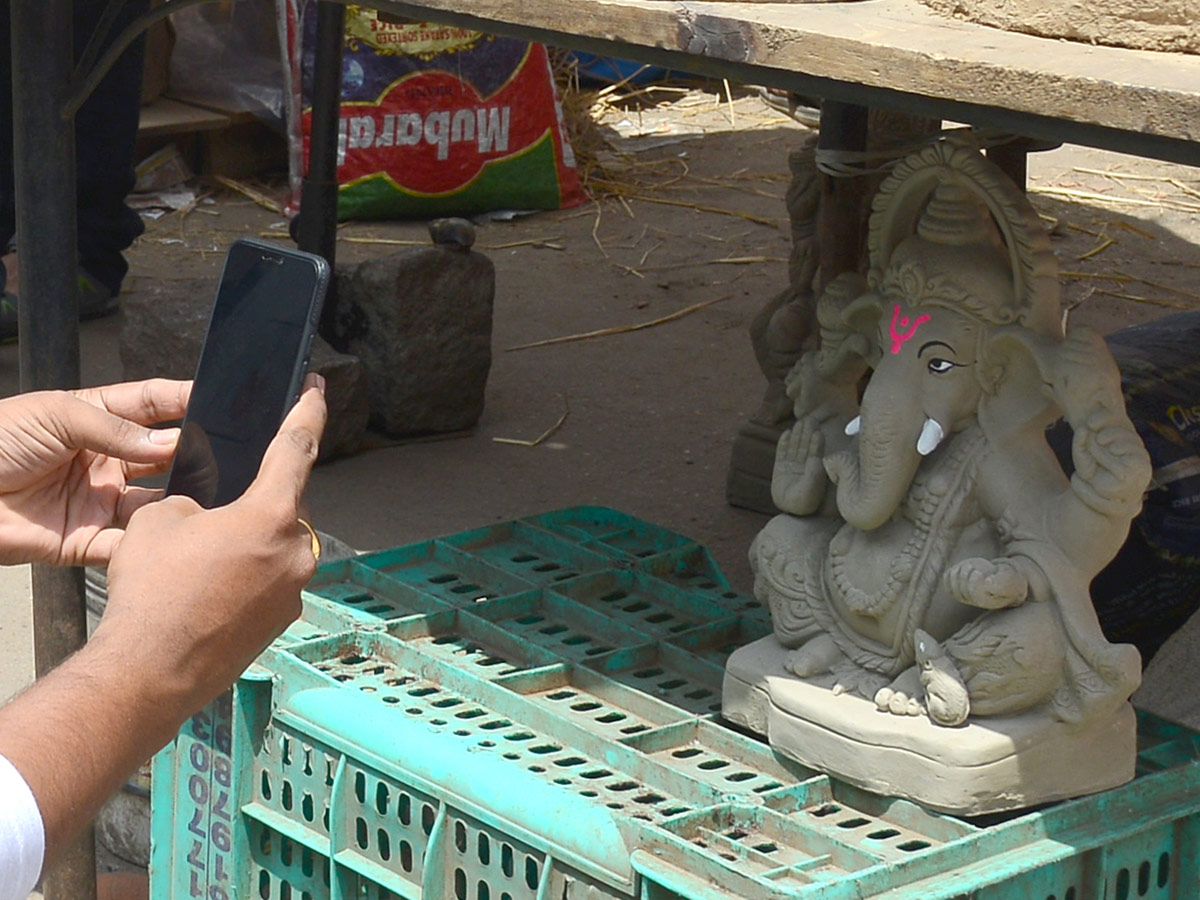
(163, 331)
(420, 320)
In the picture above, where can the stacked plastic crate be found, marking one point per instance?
(531, 711)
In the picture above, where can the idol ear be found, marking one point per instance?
(1016, 367)
(848, 313)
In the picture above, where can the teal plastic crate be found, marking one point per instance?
(530, 711)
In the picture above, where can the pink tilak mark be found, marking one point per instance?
(900, 338)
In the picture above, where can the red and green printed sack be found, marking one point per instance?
(435, 120)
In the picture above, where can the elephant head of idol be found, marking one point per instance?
(959, 303)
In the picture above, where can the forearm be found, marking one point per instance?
(193, 595)
(78, 733)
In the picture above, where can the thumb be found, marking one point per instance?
(290, 456)
(100, 549)
(161, 512)
(81, 426)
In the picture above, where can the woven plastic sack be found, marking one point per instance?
(435, 120)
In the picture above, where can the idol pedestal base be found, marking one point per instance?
(988, 765)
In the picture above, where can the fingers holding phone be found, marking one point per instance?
(278, 490)
(42, 431)
(194, 594)
(290, 456)
(116, 421)
(146, 402)
(218, 564)
(251, 369)
(283, 475)
(66, 462)
(224, 581)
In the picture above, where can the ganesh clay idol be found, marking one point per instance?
(928, 576)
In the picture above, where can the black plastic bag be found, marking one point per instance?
(1153, 585)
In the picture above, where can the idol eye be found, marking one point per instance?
(942, 366)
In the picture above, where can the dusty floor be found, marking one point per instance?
(652, 413)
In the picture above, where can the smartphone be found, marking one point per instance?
(251, 368)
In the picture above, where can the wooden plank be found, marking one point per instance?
(897, 45)
(166, 117)
(236, 115)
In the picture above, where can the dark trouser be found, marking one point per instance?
(105, 131)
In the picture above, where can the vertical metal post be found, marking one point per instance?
(317, 227)
(1013, 160)
(44, 180)
(1013, 157)
(840, 225)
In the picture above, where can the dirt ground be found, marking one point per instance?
(651, 414)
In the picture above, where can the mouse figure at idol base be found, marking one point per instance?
(927, 580)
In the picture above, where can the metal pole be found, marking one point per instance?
(44, 181)
(1013, 160)
(840, 224)
(317, 226)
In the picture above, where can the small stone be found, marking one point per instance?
(453, 234)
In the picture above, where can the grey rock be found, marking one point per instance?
(123, 826)
(163, 328)
(162, 333)
(421, 322)
(345, 397)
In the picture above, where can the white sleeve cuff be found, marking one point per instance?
(22, 835)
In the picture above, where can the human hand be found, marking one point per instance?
(194, 595)
(66, 460)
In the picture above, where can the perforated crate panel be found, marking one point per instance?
(458, 720)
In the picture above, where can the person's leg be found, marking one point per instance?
(8, 207)
(105, 133)
(7, 204)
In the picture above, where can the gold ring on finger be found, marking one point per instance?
(312, 533)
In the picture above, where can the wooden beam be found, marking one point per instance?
(888, 53)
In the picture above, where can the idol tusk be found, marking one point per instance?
(931, 436)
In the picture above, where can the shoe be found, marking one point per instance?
(94, 301)
(8, 315)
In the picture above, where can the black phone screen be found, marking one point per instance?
(250, 370)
